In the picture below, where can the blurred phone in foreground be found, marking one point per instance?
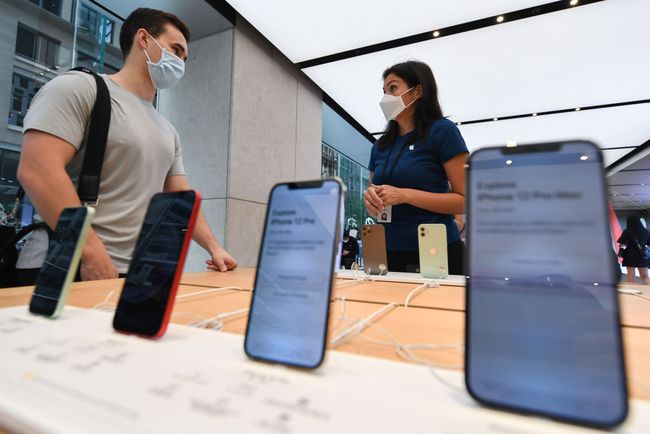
(150, 286)
(61, 262)
(289, 311)
(543, 329)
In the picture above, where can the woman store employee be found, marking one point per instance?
(413, 165)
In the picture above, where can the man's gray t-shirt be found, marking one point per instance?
(142, 150)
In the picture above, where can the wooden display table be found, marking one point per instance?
(434, 318)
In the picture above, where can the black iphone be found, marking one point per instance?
(289, 310)
(543, 328)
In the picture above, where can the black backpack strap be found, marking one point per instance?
(90, 175)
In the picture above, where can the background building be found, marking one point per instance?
(38, 40)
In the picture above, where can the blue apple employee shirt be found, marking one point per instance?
(417, 165)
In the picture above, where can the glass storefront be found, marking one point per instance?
(50, 36)
(355, 176)
(345, 153)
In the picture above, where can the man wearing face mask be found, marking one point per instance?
(142, 157)
(417, 172)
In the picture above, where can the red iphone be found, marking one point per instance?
(150, 287)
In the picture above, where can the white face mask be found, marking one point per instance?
(168, 71)
(392, 105)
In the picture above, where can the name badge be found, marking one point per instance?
(386, 215)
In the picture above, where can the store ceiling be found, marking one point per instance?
(592, 54)
(202, 19)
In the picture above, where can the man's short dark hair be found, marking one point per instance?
(153, 21)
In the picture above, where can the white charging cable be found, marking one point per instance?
(208, 291)
(342, 317)
(428, 284)
(404, 351)
(633, 291)
(361, 324)
(365, 275)
(645, 297)
(216, 322)
(357, 274)
(105, 306)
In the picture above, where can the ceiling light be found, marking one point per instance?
(573, 2)
(500, 19)
(577, 109)
(495, 119)
(436, 34)
(534, 114)
(584, 158)
(459, 123)
(508, 162)
(511, 144)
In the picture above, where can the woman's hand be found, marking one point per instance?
(372, 201)
(390, 195)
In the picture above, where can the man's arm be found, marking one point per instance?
(42, 174)
(220, 259)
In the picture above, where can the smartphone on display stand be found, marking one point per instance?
(61, 261)
(289, 312)
(542, 328)
(156, 266)
(432, 245)
(373, 244)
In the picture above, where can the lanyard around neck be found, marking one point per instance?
(392, 169)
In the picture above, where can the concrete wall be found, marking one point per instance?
(276, 131)
(199, 108)
(247, 119)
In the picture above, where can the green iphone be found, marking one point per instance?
(432, 243)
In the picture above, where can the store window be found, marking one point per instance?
(22, 91)
(355, 177)
(45, 46)
(36, 46)
(53, 6)
(329, 162)
(94, 24)
(96, 37)
(91, 62)
(8, 182)
(345, 153)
